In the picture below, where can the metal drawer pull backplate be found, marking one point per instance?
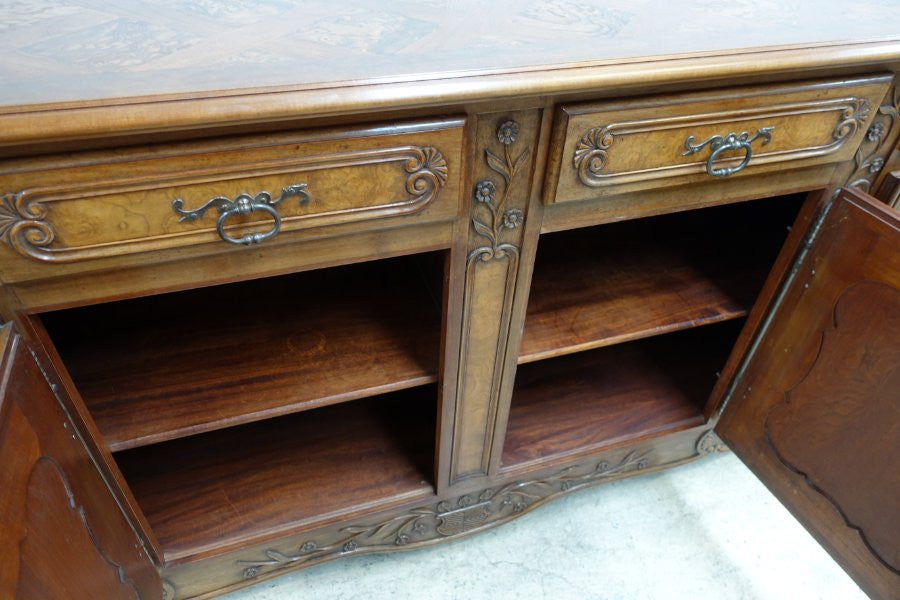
(733, 141)
(243, 204)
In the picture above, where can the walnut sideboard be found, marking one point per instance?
(287, 283)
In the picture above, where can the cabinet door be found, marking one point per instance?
(62, 534)
(816, 409)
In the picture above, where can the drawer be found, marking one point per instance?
(602, 149)
(96, 207)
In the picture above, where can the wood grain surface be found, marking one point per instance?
(573, 405)
(67, 50)
(814, 415)
(617, 282)
(654, 142)
(220, 356)
(102, 205)
(211, 493)
(62, 533)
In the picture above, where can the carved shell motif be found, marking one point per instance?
(590, 152)
(853, 117)
(464, 519)
(23, 226)
(428, 171)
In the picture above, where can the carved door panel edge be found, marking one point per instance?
(62, 535)
(815, 413)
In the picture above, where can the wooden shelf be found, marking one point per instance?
(167, 366)
(626, 281)
(578, 404)
(206, 494)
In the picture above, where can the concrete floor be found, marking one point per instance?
(705, 530)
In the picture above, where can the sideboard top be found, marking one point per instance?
(68, 53)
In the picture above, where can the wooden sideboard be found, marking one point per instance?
(391, 278)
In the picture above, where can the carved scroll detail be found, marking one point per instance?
(25, 226)
(868, 161)
(591, 154)
(428, 172)
(448, 518)
(854, 117)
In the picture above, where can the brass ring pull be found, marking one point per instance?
(733, 141)
(244, 204)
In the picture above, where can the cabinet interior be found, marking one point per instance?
(629, 323)
(242, 411)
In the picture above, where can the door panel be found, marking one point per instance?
(62, 535)
(816, 414)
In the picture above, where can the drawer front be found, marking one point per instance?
(602, 149)
(98, 205)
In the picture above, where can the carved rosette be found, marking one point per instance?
(868, 160)
(448, 518)
(23, 226)
(491, 217)
(591, 152)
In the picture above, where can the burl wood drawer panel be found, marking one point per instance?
(69, 210)
(602, 149)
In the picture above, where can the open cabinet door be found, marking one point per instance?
(62, 534)
(815, 413)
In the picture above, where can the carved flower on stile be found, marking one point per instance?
(508, 132)
(350, 546)
(308, 547)
(876, 165)
(251, 572)
(875, 132)
(484, 191)
(512, 218)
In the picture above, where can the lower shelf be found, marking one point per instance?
(213, 492)
(578, 404)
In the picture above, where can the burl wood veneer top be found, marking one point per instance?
(74, 69)
(74, 50)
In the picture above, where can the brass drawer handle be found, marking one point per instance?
(243, 204)
(733, 141)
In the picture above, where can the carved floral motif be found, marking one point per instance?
(867, 160)
(490, 223)
(448, 518)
